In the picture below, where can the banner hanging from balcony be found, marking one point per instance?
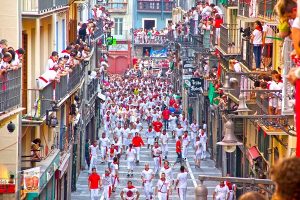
(32, 179)
(158, 53)
(196, 86)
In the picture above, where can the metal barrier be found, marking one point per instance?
(229, 40)
(10, 90)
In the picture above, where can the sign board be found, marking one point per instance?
(32, 179)
(196, 86)
(188, 62)
(185, 77)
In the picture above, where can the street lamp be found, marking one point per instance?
(229, 141)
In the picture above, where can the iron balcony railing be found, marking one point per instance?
(244, 9)
(247, 54)
(117, 7)
(92, 88)
(266, 98)
(58, 90)
(10, 90)
(230, 39)
(41, 6)
(154, 39)
(155, 6)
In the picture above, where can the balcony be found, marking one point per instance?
(116, 7)
(40, 7)
(245, 10)
(10, 90)
(230, 39)
(266, 10)
(247, 54)
(159, 40)
(92, 88)
(59, 90)
(155, 6)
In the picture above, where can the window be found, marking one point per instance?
(118, 26)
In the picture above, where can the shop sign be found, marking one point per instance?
(188, 62)
(32, 179)
(196, 86)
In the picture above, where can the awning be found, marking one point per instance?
(64, 165)
(272, 130)
(101, 96)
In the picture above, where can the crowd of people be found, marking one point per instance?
(131, 104)
(152, 36)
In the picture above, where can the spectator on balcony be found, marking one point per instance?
(52, 60)
(207, 10)
(257, 41)
(14, 62)
(267, 53)
(195, 20)
(82, 32)
(218, 21)
(217, 10)
(206, 27)
(35, 149)
(3, 44)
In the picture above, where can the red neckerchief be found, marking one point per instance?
(185, 136)
(107, 175)
(130, 149)
(130, 187)
(65, 51)
(222, 186)
(167, 167)
(112, 150)
(156, 147)
(163, 179)
(202, 133)
(258, 28)
(52, 58)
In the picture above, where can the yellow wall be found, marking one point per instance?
(9, 148)
(9, 23)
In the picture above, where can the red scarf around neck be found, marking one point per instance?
(130, 187)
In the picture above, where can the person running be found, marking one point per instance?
(114, 170)
(166, 115)
(178, 131)
(157, 125)
(111, 153)
(173, 124)
(93, 155)
(126, 134)
(137, 142)
(104, 143)
(185, 144)
(156, 154)
(147, 177)
(162, 188)
(181, 183)
(130, 192)
(203, 140)
(107, 181)
(150, 134)
(179, 151)
(164, 144)
(221, 192)
(194, 127)
(94, 184)
(198, 152)
(130, 157)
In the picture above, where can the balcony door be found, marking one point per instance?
(149, 23)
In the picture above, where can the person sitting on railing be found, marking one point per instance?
(35, 150)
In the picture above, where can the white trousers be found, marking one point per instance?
(184, 151)
(130, 164)
(137, 149)
(182, 193)
(93, 163)
(156, 164)
(148, 189)
(164, 149)
(107, 191)
(94, 194)
(103, 152)
(162, 196)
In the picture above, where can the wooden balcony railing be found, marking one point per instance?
(10, 90)
(41, 6)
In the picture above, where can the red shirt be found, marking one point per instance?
(178, 146)
(218, 23)
(157, 126)
(166, 114)
(137, 141)
(94, 179)
(172, 102)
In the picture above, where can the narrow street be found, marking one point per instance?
(207, 168)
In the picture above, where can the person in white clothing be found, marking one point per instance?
(111, 153)
(162, 188)
(126, 134)
(167, 170)
(181, 183)
(107, 181)
(130, 192)
(130, 156)
(194, 127)
(119, 131)
(172, 123)
(114, 170)
(164, 144)
(221, 192)
(185, 144)
(104, 144)
(150, 134)
(156, 154)
(203, 141)
(198, 152)
(147, 177)
(178, 131)
(93, 155)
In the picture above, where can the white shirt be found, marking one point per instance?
(182, 178)
(131, 154)
(107, 180)
(94, 150)
(269, 33)
(119, 131)
(147, 175)
(113, 168)
(221, 192)
(194, 127)
(198, 147)
(179, 131)
(185, 140)
(164, 138)
(156, 151)
(104, 142)
(257, 39)
(130, 193)
(162, 186)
